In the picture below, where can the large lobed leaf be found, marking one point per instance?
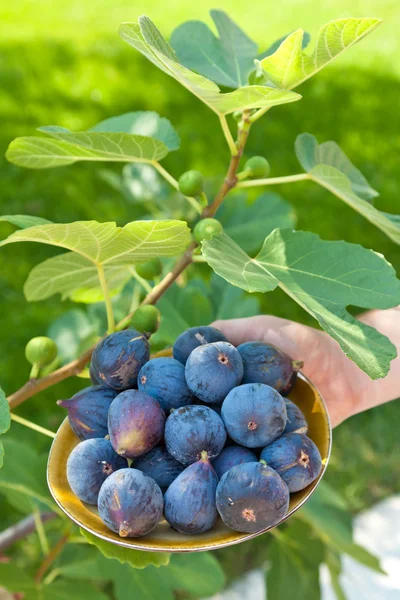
(97, 245)
(227, 60)
(248, 224)
(147, 39)
(324, 278)
(328, 166)
(132, 137)
(289, 66)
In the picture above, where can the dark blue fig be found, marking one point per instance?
(118, 358)
(254, 414)
(130, 503)
(296, 458)
(89, 464)
(190, 430)
(93, 377)
(160, 466)
(212, 370)
(296, 421)
(230, 457)
(164, 380)
(193, 337)
(288, 388)
(135, 423)
(251, 497)
(88, 410)
(189, 502)
(264, 363)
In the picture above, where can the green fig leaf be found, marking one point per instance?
(147, 39)
(289, 66)
(324, 278)
(97, 246)
(329, 166)
(227, 60)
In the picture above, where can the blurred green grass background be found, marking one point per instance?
(63, 63)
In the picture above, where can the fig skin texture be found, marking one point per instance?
(254, 415)
(296, 421)
(192, 429)
(193, 337)
(251, 497)
(213, 370)
(230, 457)
(160, 466)
(89, 465)
(264, 363)
(118, 358)
(135, 423)
(88, 411)
(190, 505)
(130, 503)
(296, 458)
(164, 380)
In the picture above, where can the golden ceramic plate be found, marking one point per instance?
(163, 538)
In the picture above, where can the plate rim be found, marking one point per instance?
(207, 546)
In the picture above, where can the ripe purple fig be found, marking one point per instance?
(130, 503)
(118, 358)
(88, 411)
(135, 423)
(190, 500)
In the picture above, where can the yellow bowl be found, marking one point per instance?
(163, 538)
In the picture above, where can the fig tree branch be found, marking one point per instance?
(34, 386)
(52, 555)
(21, 529)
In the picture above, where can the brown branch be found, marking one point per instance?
(50, 558)
(21, 529)
(34, 386)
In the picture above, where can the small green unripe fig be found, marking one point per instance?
(237, 115)
(191, 183)
(206, 229)
(150, 269)
(146, 319)
(41, 351)
(258, 167)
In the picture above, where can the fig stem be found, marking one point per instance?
(34, 371)
(263, 462)
(204, 456)
(30, 425)
(297, 365)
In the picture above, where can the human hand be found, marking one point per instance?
(345, 388)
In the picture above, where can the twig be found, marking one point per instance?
(21, 529)
(50, 558)
(231, 180)
(107, 299)
(228, 135)
(33, 426)
(33, 386)
(273, 180)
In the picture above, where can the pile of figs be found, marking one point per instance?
(208, 432)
